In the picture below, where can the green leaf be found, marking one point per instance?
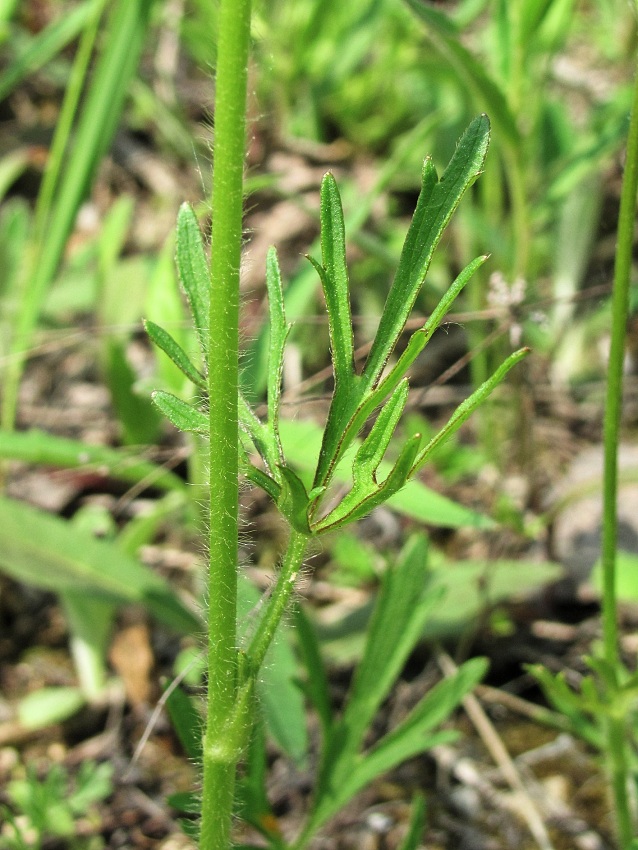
(365, 489)
(393, 483)
(446, 38)
(192, 266)
(294, 502)
(181, 414)
(437, 201)
(93, 782)
(41, 48)
(38, 447)
(626, 576)
(101, 110)
(468, 588)
(467, 407)
(90, 621)
(569, 704)
(302, 441)
(335, 283)
(15, 225)
(417, 343)
(45, 551)
(282, 699)
(252, 801)
(169, 346)
(278, 334)
(46, 706)
(435, 206)
(397, 623)
(263, 438)
(414, 836)
(12, 166)
(375, 445)
(367, 460)
(411, 736)
(471, 587)
(138, 418)
(187, 722)
(316, 685)
(260, 479)
(414, 735)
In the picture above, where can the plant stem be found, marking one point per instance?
(267, 627)
(220, 751)
(615, 730)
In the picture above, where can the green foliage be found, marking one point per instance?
(610, 695)
(333, 59)
(356, 396)
(468, 589)
(328, 69)
(45, 809)
(64, 190)
(60, 558)
(401, 609)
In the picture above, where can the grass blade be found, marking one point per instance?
(96, 127)
(47, 552)
(46, 44)
(38, 447)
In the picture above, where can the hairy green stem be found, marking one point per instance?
(221, 752)
(615, 729)
(292, 562)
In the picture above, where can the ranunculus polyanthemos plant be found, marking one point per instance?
(213, 296)
(380, 388)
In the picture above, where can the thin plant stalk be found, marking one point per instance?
(615, 729)
(293, 559)
(220, 754)
(64, 125)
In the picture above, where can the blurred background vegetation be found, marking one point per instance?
(106, 117)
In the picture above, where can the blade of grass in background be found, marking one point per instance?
(619, 755)
(96, 124)
(41, 48)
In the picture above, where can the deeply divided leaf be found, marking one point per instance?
(437, 201)
(263, 437)
(368, 458)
